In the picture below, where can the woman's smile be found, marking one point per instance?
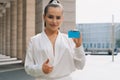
(53, 25)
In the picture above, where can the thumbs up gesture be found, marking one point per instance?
(46, 67)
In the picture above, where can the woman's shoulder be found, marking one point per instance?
(35, 37)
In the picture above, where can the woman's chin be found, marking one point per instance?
(55, 28)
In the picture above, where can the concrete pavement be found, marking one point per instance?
(13, 72)
(98, 67)
(15, 75)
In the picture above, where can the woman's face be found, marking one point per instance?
(53, 18)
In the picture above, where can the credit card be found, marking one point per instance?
(74, 34)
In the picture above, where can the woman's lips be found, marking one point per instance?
(53, 25)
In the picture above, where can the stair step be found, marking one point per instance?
(7, 59)
(4, 57)
(11, 67)
(10, 62)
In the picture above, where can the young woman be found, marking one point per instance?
(51, 55)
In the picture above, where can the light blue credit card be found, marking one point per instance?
(73, 34)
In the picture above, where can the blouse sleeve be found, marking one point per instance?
(79, 57)
(31, 68)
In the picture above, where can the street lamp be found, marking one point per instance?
(113, 36)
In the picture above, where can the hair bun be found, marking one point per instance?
(54, 2)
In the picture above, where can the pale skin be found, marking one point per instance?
(53, 19)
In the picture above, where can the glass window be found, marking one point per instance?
(84, 45)
(107, 45)
(103, 45)
(98, 45)
(90, 45)
(94, 45)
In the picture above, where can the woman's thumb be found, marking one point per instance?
(47, 61)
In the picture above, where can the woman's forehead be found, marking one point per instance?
(55, 10)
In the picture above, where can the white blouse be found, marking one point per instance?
(65, 58)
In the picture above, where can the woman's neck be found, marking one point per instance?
(49, 32)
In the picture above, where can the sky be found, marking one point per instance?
(97, 11)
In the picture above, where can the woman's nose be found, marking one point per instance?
(54, 20)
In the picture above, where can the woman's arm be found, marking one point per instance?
(79, 57)
(78, 52)
(30, 67)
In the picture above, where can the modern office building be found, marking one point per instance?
(117, 35)
(98, 36)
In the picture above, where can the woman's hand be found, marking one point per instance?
(78, 41)
(46, 67)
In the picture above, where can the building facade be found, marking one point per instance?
(98, 36)
(117, 35)
(22, 19)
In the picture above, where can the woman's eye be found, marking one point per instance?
(50, 17)
(58, 17)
